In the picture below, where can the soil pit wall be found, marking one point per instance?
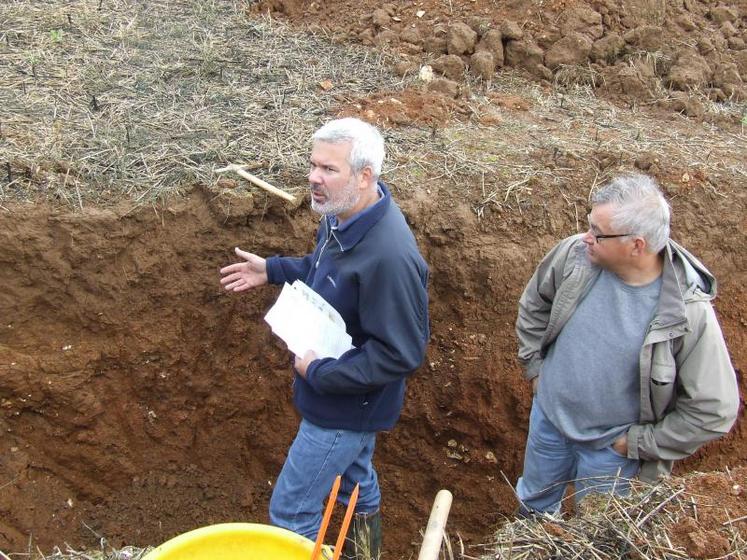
(138, 401)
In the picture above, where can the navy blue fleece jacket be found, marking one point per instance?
(370, 270)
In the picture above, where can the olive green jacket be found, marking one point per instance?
(689, 393)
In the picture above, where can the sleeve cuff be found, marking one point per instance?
(274, 270)
(533, 368)
(633, 436)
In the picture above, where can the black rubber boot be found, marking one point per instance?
(364, 537)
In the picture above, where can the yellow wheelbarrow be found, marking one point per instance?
(235, 541)
(254, 541)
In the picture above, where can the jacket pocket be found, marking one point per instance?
(663, 376)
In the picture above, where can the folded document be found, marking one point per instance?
(305, 321)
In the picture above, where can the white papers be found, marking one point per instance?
(305, 321)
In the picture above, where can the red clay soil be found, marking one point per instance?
(139, 401)
(718, 511)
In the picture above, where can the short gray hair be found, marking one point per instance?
(639, 207)
(367, 144)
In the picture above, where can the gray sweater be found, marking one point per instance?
(589, 384)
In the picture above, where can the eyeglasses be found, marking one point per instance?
(599, 236)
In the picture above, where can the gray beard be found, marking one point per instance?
(348, 199)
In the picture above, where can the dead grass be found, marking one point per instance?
(136, 100)
(647, 12)
(569, 142)
(609, 527)
(125, 98)
(104, 553)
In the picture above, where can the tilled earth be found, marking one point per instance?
(631, 51)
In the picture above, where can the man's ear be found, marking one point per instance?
(365, 177)
(639, 246)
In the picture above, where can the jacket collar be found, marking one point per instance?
(352, 231)
(671, 308)
(696, 281)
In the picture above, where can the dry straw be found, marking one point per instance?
(118, 99)
(104, 553)
(611, 527)
(124, 98)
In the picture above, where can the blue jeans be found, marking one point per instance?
(551, 461)
(314, 460)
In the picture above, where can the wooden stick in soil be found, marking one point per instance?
(434, 532)
(238, 169)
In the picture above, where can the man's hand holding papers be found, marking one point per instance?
(305, 321)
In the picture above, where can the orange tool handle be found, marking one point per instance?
(346, 523)
(325, 520)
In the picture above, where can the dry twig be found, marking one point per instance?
(608, 527)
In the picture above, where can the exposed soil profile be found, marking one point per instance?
(139, 401)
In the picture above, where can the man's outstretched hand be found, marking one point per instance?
(245, 275)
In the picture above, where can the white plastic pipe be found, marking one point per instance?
(434, 532)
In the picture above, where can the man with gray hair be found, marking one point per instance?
(626, 358)
(366, 264)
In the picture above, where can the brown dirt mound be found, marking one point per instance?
(633, 50)
(407, 107)
(717, 510)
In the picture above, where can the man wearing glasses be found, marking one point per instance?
(628, 365)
